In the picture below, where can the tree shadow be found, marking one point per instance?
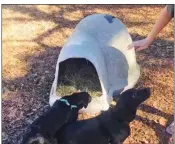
(29, 94)
(159, 48)
(155, 111)
(159, 130)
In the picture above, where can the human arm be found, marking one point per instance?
(162, 21)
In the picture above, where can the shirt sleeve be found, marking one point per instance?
(170, 9)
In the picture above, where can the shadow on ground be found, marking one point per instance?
(159, 130)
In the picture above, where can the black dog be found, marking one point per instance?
(63, 111)
(111, 126)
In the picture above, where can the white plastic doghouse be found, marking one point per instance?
(102, 39)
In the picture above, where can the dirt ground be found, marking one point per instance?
(32, 37)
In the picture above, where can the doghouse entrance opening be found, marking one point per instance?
(78, 74)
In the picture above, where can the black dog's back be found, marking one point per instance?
(99, 130)
(83, 132)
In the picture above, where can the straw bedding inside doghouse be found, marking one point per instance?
(79, 78)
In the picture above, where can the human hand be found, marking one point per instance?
(140, 44)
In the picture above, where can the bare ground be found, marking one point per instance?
(32, 37)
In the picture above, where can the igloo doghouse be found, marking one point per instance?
(100, 40)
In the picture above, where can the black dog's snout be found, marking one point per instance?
(90, 99)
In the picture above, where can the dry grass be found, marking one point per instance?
(32, 36)
(83, 79)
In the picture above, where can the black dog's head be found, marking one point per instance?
(80, 99)
(128, 102)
